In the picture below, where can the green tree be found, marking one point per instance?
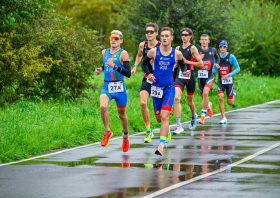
(255, 27)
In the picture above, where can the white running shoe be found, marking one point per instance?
(178, 130)
(223, 121)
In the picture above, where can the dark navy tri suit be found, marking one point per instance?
(146, 86)
(181, 81)
(205, 75)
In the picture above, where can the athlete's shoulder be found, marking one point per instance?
(141, 45)
(104, 51)
(178, 47)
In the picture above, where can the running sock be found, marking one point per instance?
(203, 112)
(193, 116)
(148, 127)
(178, 121)
(162, 141)
(125, 133)
(208, 107)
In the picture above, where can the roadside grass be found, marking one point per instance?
(32, 126)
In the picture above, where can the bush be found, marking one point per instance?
(255, 27)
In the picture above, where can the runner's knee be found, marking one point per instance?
(177, 99)
(103, 108)
(221, 98)
(143, 103)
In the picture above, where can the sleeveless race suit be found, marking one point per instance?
(189, 83)
(204, 74)
(145, 85)
(163, 68)
(112, 77)
(226, 64)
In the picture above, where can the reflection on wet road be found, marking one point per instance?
(107, 172)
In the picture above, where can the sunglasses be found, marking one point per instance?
(150, 31)
(114, 37)
(185, 34)
(223, 46)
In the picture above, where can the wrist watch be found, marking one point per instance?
(115, 67)
(134, 65)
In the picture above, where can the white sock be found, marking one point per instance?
(203, 112)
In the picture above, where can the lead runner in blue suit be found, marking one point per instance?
(164, 59)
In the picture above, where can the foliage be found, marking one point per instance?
(14, 12)
(199, 15)
(101, 15)
(20, 68)
(255, 27)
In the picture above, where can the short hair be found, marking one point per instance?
(167, 29)
(153, 25)
(205, 35)
(118, 33)
(187, 30)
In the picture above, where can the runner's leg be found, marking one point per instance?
(104, 102)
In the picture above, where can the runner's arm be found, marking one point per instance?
(216, 56)
(197, 57)
(234, 62)
(139, 55)
(145, 65)
(214, 69)
(150, 56)
(125, 62)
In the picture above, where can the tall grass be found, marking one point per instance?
(32, 126)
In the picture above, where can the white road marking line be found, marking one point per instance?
(139, 133)
(170, 188)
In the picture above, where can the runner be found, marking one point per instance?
(225, 80)
(190, 53)
(116, 66)
(164, 59)
(145, 91)
(205, 75)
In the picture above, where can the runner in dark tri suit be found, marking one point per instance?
(225, 80)
(115, 66)
(190, 54)
(205, 75)
(164, 59)
(145, 91)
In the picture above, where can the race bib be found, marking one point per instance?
(227, 81)
(156, 92)
(202, 74)
(150, 82)
(181, 75)
(115, 87)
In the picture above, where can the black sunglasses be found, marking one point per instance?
(185, 34)
(150, 31)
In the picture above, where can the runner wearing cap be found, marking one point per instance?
(225, 80)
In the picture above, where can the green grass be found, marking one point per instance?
(32, 126)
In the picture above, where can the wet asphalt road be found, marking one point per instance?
(96, 171)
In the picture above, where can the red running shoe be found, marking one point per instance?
(210, 111)
(201, 121)
(106, 138)
(125, 145)
(159, 150)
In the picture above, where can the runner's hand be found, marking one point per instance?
(133, 71)
(97, 71)
(151, 78)
(217, 65)
(187, 74)
(225, 77)
(202, 56)
(110, 63)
